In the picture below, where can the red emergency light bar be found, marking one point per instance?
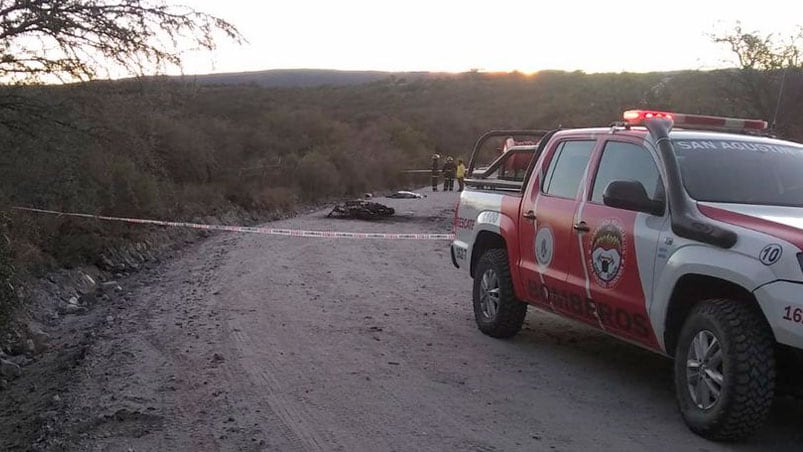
(639, 117)
(510, 142)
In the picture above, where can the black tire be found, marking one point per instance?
(382, 210)
(362, 213)
(505, 318)
(789, 367)
(744, 367)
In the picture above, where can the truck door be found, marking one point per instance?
(545, 226)
(613, 257)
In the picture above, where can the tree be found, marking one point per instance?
(41, 40)
(768, 82)
(68, 40)
(763, 53)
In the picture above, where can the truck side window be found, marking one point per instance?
(566, 168)
(627, 161)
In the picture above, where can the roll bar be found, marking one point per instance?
(536, 133)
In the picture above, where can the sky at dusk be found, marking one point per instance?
(503, 35)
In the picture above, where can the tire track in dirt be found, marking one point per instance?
(357, 418)
(281, 424)
(174, 332)
(282, 413)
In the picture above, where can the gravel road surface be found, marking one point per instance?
(248, 342)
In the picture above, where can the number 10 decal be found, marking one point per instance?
(770, 254)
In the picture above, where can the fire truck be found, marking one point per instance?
(679, 233)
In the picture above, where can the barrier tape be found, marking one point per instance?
(254, 230)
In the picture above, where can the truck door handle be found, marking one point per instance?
(581, 227)
(530, 215)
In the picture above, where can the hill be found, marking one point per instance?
(303, 77)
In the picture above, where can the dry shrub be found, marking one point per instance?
(185, 150)
(199, 199)
(317, 177)
(132, 190)
(275, 198)
(120, 186)
(257, 197)
(8, 299)
(77, 241)
(28, 255)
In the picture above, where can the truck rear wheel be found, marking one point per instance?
(497, 311)
(725, 369)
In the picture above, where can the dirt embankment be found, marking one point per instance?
(250, 342)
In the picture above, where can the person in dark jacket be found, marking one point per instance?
(449, 170)
(435, 171)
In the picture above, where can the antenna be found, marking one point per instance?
(778, 104)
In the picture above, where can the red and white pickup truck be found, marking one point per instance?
(680, 233)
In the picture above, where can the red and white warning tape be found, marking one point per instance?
(253, 230)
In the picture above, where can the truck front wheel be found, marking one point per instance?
(497, 311)
(725, 369)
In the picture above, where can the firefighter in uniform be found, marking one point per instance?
(461, 175)
(449, 169)
(435, 171)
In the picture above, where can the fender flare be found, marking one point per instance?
(501, 225)
(698, 259)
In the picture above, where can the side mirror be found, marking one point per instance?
(631, 195)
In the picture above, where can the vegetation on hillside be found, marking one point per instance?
(161, 149)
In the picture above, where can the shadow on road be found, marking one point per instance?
(644, 375)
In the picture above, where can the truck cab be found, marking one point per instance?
(674, 232)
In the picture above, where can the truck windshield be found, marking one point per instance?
(743, 172)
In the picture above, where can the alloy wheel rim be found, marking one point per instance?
(704, 376)
(489, 294)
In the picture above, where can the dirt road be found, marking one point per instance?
(275, 343)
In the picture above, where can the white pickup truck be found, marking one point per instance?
(679, 233)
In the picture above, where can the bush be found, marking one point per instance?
(8, 298)
(318, 177)
(275, 198)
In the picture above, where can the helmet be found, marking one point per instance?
(449, 159)
(435, 156)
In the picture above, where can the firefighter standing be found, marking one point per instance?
(449, 169)
(435, 171)
(461, 174)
